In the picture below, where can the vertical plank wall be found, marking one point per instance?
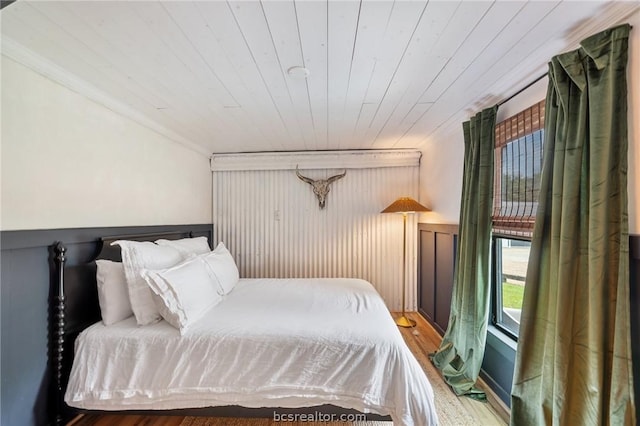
(271, 223)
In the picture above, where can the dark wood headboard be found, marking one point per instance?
(74, 305)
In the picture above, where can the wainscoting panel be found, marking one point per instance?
(271, 222)
(28, 283)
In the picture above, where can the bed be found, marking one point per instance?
(285, 343)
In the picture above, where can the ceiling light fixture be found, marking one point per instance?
(298, 72)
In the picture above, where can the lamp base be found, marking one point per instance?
(405, 322)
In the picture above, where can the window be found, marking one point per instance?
(510, 268)
(518, 166)
(518, 163)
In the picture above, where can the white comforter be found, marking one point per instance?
(270, 343)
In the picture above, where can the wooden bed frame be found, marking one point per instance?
(74, 306)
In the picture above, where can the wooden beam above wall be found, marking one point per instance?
(354, 159)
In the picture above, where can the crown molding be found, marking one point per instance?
(19, 53)
(306, 160)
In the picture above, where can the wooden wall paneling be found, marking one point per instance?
(427, 275)
(271, 223)
(26, 275)
(445, 257)
(436, 250)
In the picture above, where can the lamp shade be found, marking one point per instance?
(405, 205)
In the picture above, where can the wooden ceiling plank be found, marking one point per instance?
(116, 22)
(464, 17)
(535, 48)
(166, 28)
(215, 73)
(283, 26)
(343, 19)
(231, 44)
(458, 29)
(400, 30)
(251, 19)
(410, 81)
(607, 15)
(312, 27)
(389, 138)
(107, 27)
(499, 21)
(487, 32)
(195, 28)
(516, 29)
(373, 18)
(34, 27)
(510, 37)
(211, 91)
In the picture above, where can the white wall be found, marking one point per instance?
(68, 162)
(443, 157)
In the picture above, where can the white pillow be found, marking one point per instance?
(113, 294)
(137, 256)
(223, 267)
(185, 292)
(188, 246)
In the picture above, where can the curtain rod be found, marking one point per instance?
(522, 90)
(530, 84)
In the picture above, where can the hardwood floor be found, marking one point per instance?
(427, 340)
(422, 340)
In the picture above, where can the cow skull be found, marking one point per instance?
(321, 187)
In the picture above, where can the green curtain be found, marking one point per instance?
(462, 349)
(573, 365)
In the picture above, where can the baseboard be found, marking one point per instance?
(494, 400)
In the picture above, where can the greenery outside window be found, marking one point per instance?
(510, 258)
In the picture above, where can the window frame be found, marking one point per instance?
(496, 282)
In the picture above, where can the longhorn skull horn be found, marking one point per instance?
(321, 187)
(332, 179)
(304, 178)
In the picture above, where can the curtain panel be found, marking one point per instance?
(462, 349)
(573, 364)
